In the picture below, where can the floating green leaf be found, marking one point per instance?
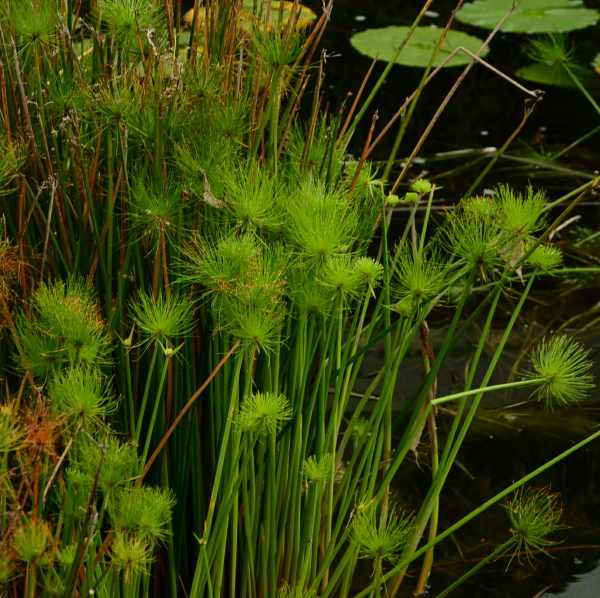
(530, 16)
(552, 74)
(383, 44)
(553, 61)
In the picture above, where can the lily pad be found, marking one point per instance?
(383, 44)
(530, 16)
(552, 74)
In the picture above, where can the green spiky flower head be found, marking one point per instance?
(564, 367)
(319, 222)
(318, 469)
(369, 271)
(545, 258)
(264, 413)
(421, 186)
(419, 277)
(127, 19)
(251, 197)
(142, 512)
(472, 234)
(520, 214)
(162, 318)
(377, 536)
(339, 273)
(64, 328)
(79, 394)
(155, 212)
(34, 21)
(31, 540)
(114, 463)
(131, 555)
(534, 515)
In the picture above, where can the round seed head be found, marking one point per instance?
(369, 271)
(534, 515)
(31, 540)
(520, 214)
(221, 266)
(63, 328)
(378, 538)
(317, 470)
(143, 512)
(155, 212)
(264, 413)
(258, 326)
(252, 199)
(411, 197)
(131, 555)
(163, 318)
(565, 368)
(472, 235)
(545, 258)
(320, 223)
(392, 200)
(421, 186)
(78, 393)
(115, 463)
(480, 207)
(419, 277)
(339, 273)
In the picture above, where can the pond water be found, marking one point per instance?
(505, 443)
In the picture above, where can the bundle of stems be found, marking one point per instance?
(192, 279)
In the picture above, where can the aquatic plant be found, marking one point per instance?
(194, 275)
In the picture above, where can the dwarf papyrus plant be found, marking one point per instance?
(194, 277)
(68, 494)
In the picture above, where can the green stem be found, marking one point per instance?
(481, 508)
(492, 388)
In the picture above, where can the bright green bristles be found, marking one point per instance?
(565, 368)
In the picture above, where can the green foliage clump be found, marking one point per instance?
(64, 328)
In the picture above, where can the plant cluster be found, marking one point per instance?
(206, 275)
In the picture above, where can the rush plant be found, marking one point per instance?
(194, 276)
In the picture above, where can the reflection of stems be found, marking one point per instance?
(480, 509)
(529, 108)
(498, 552)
